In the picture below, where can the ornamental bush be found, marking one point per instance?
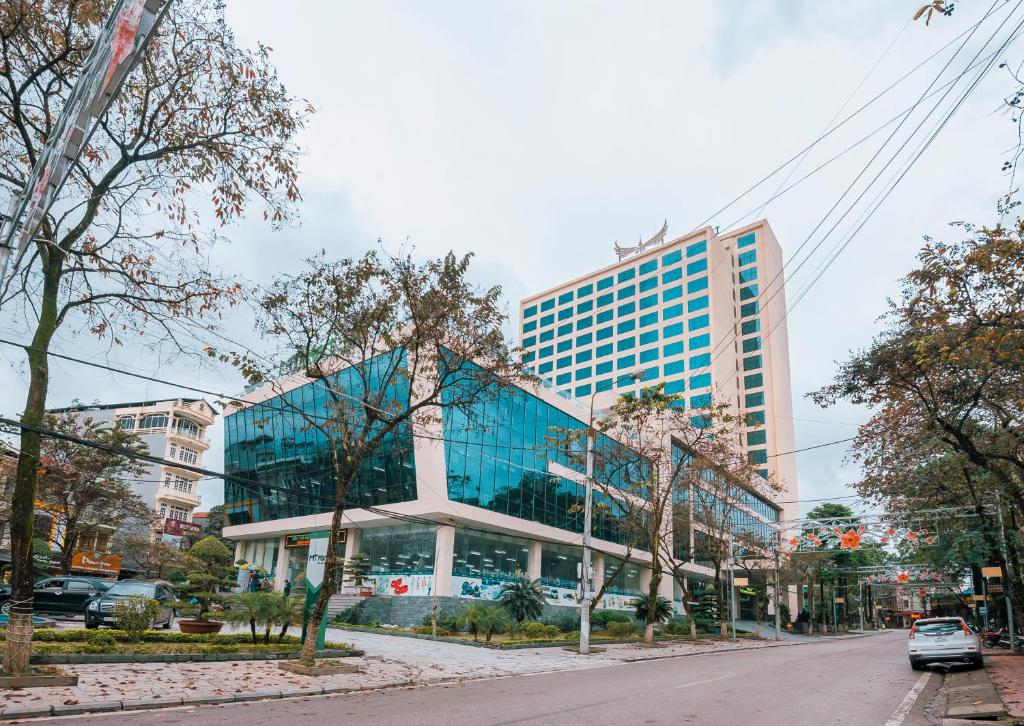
(619, 629)
(135, 614)
(676, 626)
(600, 618)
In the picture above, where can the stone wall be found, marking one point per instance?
(409, 611)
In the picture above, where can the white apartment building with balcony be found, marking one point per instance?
(174, 430)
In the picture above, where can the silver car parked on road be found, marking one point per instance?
(934, 640)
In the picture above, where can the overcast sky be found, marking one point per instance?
(535, 134)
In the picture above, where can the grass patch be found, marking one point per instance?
(117, 642)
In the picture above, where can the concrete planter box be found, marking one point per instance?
(89, 658)
(39, 681)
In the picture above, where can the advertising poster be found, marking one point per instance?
(398, 585)
(616, 601)
(477, 587)
(315, 562)
(560, 595)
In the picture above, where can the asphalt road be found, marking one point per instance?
(851, 682)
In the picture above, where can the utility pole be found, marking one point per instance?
(732, 588)
(860, 600)
(585, 569)
(778, 615)
(1009, 577)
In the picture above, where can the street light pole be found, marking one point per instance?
(732, 587)
(585, 584)
(778, 616)
(1009, 577)
(860, 600)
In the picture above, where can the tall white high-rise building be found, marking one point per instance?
(703, 313)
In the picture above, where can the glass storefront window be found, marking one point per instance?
(627, 580)
(487, 555)
(558, 565)
(406, 550)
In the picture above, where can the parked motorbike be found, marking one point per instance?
(991, 638)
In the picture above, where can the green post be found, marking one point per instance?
(314, 580)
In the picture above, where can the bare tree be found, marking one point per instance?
(124, 250)
(388, 344)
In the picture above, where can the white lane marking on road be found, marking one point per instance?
(908, 701)
(708, 680)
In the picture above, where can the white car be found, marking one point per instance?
(934, 640)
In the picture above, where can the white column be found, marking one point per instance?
(533, 564)
(645, 579)
(444, 548)
(282, 565)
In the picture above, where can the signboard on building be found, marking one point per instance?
(99, 563)
(181, 528)
(991, 571)
(292, 541)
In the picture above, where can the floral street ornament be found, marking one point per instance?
(849, 537)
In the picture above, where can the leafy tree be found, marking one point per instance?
(265, 608)
(149, 556)
(135, 614)
(89, 490)
(660, 609)
(387, 345)
(124, 250)
(209, 570)
(523, 599)
(216, 520)
(481, 618)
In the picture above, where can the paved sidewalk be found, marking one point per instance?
(1007, 674)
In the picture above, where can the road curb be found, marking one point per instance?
(972, 695)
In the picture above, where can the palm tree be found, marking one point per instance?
(662, 609)
(481, 619)
(248, 607)
(284, 612)
(523, 599)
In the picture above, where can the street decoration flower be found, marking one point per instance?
(853, 538)
(849, 540)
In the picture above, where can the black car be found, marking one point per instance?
(100, 611)
(65, 595)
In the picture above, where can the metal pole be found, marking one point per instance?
(778, 615)
(585, 574)
(984, 592)
(732, 587)
(1009, 577)
(860, 601)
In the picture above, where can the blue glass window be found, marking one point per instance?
(584, 323)
(583, 390)
(530, 311)
(584, 339)
(625, 275)
(746, 240)
(701, 283)
(564, 345)
(697, 303)
(754, 399)
(701, 401)
(757, 456)
(563, 378)
(527, 327)
(754, 380)
(700, 341)
(752, 363)
(755, 418)
(671, 258)
(672, 293)
(564, 362)
(627, 309)
(544, 367)
(605, 385)
(750, 308)
(605, 283)
(697, 248)
(672, 311)
(564, 329)
(585, 307)
(672, 275)
(748, 293)
(747, 275)
(673, 330)
(646, 356)
(528, 357)
(626, 361)
(583, 373)
(627, 291)
(584, 290)
(675, 386)
(648, 283)
(604, 316)
(603, 350)
(547, 320)
(649, 301)
(648, 319)
(605, 367)
(752, 344)
(547, 305)
(527, 342)
(650, 336)
(565, 297)
(700, 361)
(700, 381)
(650, 374)
(674, 368)
(701, 321)
(747, 258)
(757, 438)
(673, 349)
(697, 266)
(625, 344)
(583, 356)
(625, 380)
(750, 326)
(626, 326)
(546, 335)
(604, 333)
(649, 266)
(607, 299)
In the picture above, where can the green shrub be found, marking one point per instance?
(618, 629)
(600, 618)
(427, 630)
(572, 637)
(103, 639)
(537, 631)
(445, 621)
(565, 623)
(351, 615)
(135, 614)
(676, 626)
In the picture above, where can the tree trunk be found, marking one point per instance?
(284, 631)
(329, 585)
(22, 517)
(652, 596)
(266, 633)
(252, 627)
